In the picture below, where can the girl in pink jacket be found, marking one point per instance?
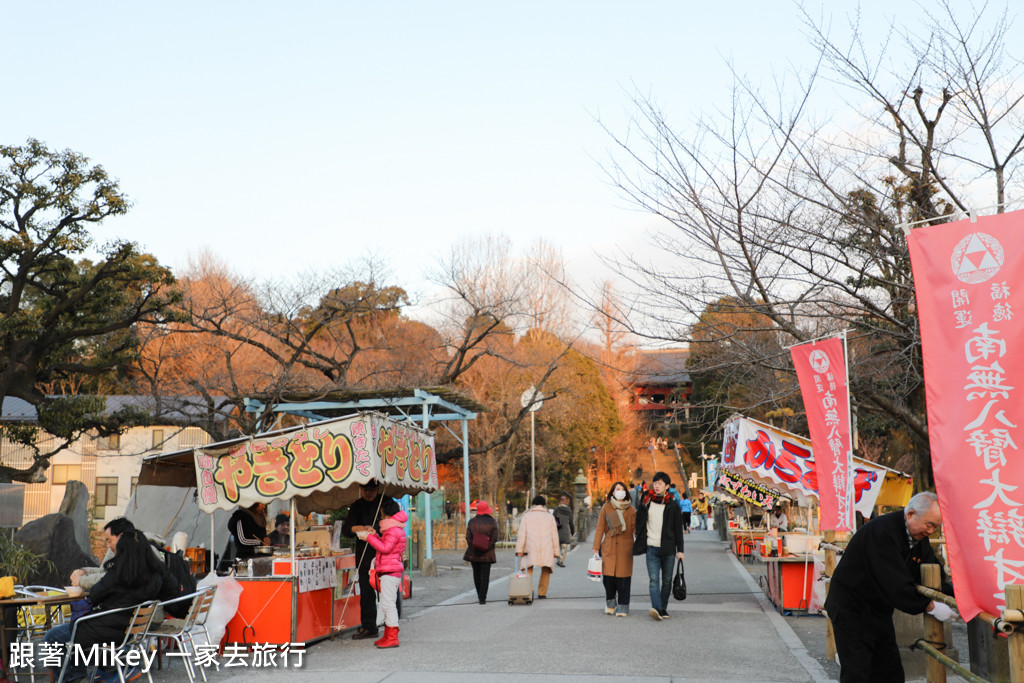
(390, 545)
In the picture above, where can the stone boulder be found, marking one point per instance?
(54, 537)
(76, 506)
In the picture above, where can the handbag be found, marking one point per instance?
(594, 568)
(79, 608)
(679, 583)
(374, 576)
(481, 541)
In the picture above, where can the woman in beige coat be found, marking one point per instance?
(538, 541)
(613, 539)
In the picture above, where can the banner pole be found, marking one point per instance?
(818, 339)
(853, 436)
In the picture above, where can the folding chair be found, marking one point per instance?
(134, 636)
(32, 619)
(181, 630)
(202, 615)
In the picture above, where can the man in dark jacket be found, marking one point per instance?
(364, 515)
(879, 572)
(663, 525)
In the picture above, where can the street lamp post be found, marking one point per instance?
(533, 457)
(532, 401)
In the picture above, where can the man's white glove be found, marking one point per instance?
(942, 611)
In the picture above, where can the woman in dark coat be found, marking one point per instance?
(480, 527)
(134, 575)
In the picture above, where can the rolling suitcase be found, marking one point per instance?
(520, 588)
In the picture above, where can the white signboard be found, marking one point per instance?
(316, 573)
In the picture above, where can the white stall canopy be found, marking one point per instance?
(320, 465)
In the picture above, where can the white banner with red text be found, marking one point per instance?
(785, 459)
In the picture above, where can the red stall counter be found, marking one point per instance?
(310, 604)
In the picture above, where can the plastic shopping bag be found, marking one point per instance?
(594, 568)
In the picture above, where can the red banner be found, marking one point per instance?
(821, 369)
(965, 274)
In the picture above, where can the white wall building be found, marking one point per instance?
(108, 466)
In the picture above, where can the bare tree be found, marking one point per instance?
(318, 333)
(796, 223)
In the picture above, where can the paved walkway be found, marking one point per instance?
(724, 631)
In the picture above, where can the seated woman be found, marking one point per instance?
(133, 575)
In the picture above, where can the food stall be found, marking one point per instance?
(762, 466)
(301, 594)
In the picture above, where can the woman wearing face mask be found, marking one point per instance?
(613, 539)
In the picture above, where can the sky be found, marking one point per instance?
(290, 137)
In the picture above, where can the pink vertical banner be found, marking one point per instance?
(965, 276)
(821, 369)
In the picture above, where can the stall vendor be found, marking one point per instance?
(280, 535)
(777, 519)
(248, 527)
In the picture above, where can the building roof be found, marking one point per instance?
(662, 366)
(171, 410)
(17, 410)
(392, 402)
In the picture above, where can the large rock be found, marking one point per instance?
(53, 536)
(76, 506)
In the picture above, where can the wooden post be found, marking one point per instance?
(830, 567)
(1015, 600)
(935, 671)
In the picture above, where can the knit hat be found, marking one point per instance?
(482, 508)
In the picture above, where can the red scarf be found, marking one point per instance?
(651, 498)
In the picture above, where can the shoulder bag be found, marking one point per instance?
(481, 541)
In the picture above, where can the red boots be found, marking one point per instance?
(390, 638)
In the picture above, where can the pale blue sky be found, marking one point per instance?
(290, 136)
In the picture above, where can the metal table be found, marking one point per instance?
(9, 617)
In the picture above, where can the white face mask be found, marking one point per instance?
(619, 494)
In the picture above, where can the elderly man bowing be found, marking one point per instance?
(879, 572)
(538, 541)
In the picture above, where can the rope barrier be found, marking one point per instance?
(928, 648)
